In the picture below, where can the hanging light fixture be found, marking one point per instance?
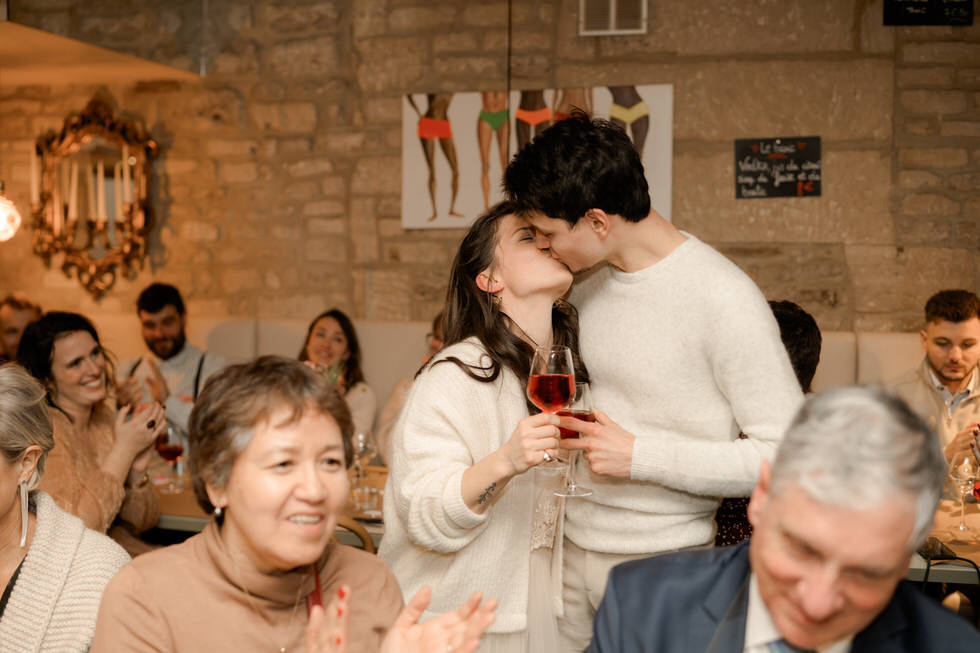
(9, 217)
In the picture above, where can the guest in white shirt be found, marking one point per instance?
(331, 346)
(173, 371)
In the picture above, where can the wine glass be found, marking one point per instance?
(963, 471)
(170, 446)
(580, 408)
(551, 384)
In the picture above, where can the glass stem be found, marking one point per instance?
(962, 511)
(572, 458)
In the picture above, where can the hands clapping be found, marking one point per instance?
(458, 631)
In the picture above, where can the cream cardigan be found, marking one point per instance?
(54, 603)
(449, 422)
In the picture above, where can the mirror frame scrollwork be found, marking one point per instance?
(124, 240)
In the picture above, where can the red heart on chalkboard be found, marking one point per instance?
(801, 144)
(755, 148)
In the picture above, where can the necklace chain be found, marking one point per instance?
(255, 609)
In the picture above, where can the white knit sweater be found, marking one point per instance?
(449, 422)
(684, 354)
(54, 603)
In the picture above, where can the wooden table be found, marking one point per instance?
(947, 517)
(181, 512)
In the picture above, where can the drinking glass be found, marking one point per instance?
(963, 472)
(580, 408)
(551, 385)
(170, 446)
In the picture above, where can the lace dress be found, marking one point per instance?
(544, 590)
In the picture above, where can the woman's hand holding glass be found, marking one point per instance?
(531, 440)
(458, 631)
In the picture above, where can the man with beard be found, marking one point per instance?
(173, 371)
(945, 389)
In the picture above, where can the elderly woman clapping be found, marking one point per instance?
(52, 568)
(269, 451)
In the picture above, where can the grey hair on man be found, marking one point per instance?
(24, 419)
(856, 447)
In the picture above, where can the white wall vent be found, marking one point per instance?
(612, 17)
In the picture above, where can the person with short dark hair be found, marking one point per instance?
(683, 352)
(801, 337)
(16, 312)
(172, 371)
(945, 389)
(837, 517)
(270, 447)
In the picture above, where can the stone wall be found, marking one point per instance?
(277, 192)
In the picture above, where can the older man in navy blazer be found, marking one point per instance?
(849, 498)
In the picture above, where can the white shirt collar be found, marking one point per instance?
(760, 629)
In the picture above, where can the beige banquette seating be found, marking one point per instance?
(389, 350)
(394, 350)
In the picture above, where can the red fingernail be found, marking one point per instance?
(338, 640)
(341, 593)
(340, 611)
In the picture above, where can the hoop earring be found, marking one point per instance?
(23, 513)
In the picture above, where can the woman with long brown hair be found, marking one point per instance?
(461, 511)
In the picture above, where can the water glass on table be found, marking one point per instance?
(963, 471)
(551, 384)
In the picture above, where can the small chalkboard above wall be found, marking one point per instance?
(777, 167)
(928, 12)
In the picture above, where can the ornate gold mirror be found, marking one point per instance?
(89, 197)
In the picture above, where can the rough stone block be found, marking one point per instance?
(376, 175)
(370, 17)
(309, 167)
(324, 207)
(936, 157)
(925, 77)
(316, 57)
(198, 231)
(443, 43)
(237, 280)
(364, 230)
(238, 173)
(969, 182)
(916, 179)
(960, 128)
(941, 53)
(285, 117)
(289, 305)
(941, 102)
(343, 142)
(420, 19)
(291, 19)
(485, 15)
(325, 227)
(930, 205)
(390, 64)
(334, 186)
(920, 126)
(968, 77)
(469, 67)
(232, 147)
(326, 249)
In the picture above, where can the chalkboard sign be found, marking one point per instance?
(777, 167)
(928, 12)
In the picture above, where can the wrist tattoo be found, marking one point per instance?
(486, 494)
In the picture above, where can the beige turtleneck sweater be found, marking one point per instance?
(189, 597)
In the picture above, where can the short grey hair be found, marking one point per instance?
(857, 446)
(24, 418)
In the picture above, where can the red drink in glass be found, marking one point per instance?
(168, 451)
(550, 392)
(584, 415)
